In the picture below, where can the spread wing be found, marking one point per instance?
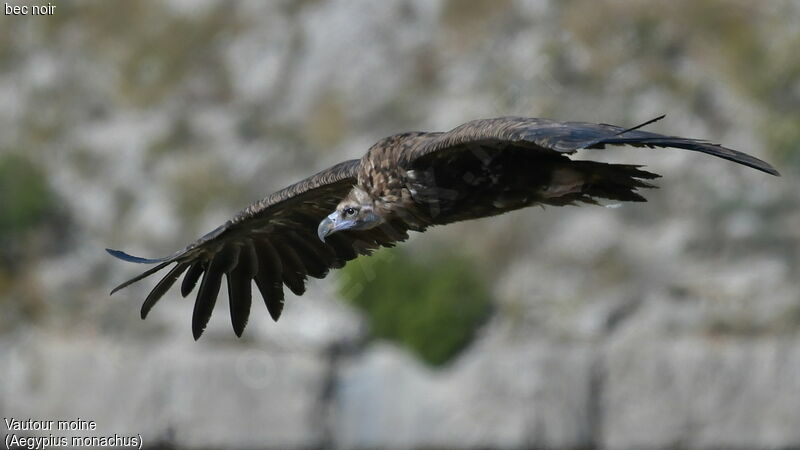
(565, 138)
(488, 167)
(273, 242)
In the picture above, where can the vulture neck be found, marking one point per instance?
(384, 181)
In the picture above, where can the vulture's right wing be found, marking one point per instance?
(273, 242)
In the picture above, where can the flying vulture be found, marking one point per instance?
(406, 182)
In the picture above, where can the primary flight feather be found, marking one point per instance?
(408, 181)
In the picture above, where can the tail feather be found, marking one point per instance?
(604, 181)
(618, 182)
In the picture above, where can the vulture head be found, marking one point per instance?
(356, 212)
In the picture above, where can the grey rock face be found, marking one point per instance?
(697, 392)
(527, 395)
(182, 395)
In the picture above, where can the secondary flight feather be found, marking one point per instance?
(406, 182)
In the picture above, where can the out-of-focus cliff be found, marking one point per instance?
(142, 125)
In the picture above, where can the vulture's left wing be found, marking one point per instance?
(561, 137)
(273, 242)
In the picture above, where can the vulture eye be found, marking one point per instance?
(349, 211)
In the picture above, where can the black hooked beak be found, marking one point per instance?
(335, 222)
(329, 225)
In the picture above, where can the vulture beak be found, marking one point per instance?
(331, 224)
(335, 222)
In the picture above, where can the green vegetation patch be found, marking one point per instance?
(431, 307)
(25, 197)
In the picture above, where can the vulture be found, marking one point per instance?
(405, 182)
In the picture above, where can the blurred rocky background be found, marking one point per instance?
(141, 125)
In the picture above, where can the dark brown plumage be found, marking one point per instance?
(409, 181)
